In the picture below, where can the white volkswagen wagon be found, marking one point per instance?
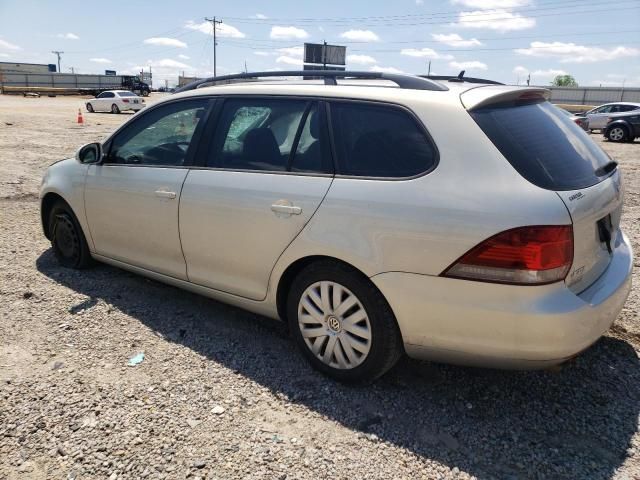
(379, 214)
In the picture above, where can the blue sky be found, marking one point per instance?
(506, 40)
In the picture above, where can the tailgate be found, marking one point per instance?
(595, 212)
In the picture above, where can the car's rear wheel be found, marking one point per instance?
(67, 239)
(115, 109)
(89, 108)
(617, 134)
(342, 323)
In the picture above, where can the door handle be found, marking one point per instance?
(286, 208)
(165, 194)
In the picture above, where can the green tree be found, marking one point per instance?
(564, 81)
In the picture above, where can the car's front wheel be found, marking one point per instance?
(89, 108)
(342, 323)
(115, 109)
(67, 239)
(617, 134)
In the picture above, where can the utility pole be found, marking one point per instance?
(214, 22)
(72, 70)
(56, 52)
(429, 69)
(528, 79)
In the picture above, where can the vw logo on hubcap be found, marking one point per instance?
(333, 323)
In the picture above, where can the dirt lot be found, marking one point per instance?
(223, 394)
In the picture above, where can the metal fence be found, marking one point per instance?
(58, 80)
(593, 95)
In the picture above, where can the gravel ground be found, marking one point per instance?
(222, 393)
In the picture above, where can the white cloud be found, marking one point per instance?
(259, 16)
(4, 45)
(222, 29)
(165, 42)
(361, 59)
(491, 4)
(292, 51)
(289, 60)
(455, 40)
(360, 36)
(377, 68)
(100, 60)
(261, 53)
(167, 63)
(68, 36)
(572, 53)
(184, 57)
(288, 33)
(520, 70)
(424, 53)
(471, 65)
(549, 73)
(500, 20)
(4, 55)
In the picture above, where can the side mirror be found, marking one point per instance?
(89, 153)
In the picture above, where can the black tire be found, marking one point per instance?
(386, 341)
(145, 93)
(614, 132)
(115, 109)
(90, 108)
(67, 239)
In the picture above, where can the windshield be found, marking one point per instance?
(127, 94)
(543, 144)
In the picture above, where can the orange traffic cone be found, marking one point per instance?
(80, 119)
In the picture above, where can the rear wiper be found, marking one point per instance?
(606, 169)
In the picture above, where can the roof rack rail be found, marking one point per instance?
(411, 82)
(460, 78)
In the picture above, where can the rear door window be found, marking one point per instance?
(543, 144)
(380, 141)
(275, 135)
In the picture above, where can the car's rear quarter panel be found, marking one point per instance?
(424, 224)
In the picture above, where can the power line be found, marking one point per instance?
(418, 18)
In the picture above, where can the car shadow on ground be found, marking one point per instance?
(576, 422)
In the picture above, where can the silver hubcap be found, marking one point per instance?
(334, 325)
(616, 134)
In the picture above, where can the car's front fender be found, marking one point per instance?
(66, 180)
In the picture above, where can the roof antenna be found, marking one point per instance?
(461, 75)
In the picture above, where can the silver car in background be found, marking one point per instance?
(356, 214)
(599, 116)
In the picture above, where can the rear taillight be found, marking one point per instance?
(524, 255)
(125, 100)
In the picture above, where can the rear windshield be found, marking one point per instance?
(127, 94)
(543, 144)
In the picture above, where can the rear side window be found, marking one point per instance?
(380, 141)
(543, 144)
(275, 135)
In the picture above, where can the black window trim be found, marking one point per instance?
(212, 117)
(194, 144)
(421, 127)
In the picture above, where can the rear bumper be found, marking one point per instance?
(135, 107)
(505, 326)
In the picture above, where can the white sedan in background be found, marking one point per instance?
(116, 101)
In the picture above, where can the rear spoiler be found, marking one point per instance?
(484, 96)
